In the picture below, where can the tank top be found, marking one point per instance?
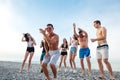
(30, 43)
(73, 43)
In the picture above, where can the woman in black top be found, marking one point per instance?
(64, 48)
(45, 49)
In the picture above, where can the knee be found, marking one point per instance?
(29, 60)
(52, 65)
(105, 61)
(99, 61)
(81, 60)
(43, 65)
(70, 59)
(24, 60)
(64, 61)
(88, 61)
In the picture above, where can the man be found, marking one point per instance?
(53, 54)
(84, 50)
(102, 49)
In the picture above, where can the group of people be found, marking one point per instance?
(51, 50)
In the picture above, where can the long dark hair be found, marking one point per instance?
(27, 38)
(66, 43)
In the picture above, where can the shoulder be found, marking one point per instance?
(55, 35)
(103, 28)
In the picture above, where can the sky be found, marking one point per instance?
(21, 16)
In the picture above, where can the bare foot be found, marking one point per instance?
(112, 78)
(27, 70)
(89, 73)
(83, 72)
(20, 71)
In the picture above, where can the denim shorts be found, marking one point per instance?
(73, 50)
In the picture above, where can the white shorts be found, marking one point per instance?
(102, 52)
(53, 58)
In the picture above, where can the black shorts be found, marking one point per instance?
(63, 53)
(30, 49)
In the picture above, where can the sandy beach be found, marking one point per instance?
(10, 71)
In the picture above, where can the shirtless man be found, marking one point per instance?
(53, 54)
(102, 49)
(84, 50)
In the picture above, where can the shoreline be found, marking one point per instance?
(9, 70)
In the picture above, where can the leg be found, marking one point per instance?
(109, 68)
(41, 59)
(70, 59)
(73, 60)
(45, 70)
(30, 58)
(61, 58)
(100, 67)
(23, 63)
(89, 65)
(54, 70)
(65, 60)
(82, 66)
(41, 66)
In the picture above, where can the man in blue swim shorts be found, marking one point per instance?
(84, 50)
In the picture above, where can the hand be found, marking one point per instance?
(47, 55)
(42, 31)
(93, 40)
(74, 25)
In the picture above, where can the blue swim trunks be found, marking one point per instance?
(42, 56)
(73, 50)
(84, 52)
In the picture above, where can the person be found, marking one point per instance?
(73, 53)
(102, 49)
(29, 51)
(64, 48)
(84, 49)
(53, 54)
(45, 48)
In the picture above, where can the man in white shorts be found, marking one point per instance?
(102, 50)
(53, 54)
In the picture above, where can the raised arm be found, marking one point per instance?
(74, 29)
(49, 40)
(41, 44)
(23, 39)
(85, 33)
(46, 46)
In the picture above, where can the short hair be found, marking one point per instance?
(50, 25)
(97, 22)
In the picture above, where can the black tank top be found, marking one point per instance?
(43, 50)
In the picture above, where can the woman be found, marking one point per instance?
(29, 51)
(45, 49)
(63, 48)
(73, 52)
